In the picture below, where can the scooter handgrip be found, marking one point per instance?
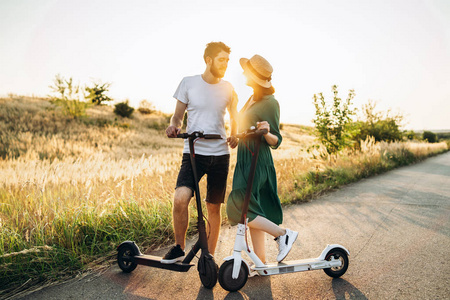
(261, 131)
(212, 136)
(183, 135)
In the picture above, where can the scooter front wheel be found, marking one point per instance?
(207, 270)
(225, 276)
(341, 255)
(125, 258)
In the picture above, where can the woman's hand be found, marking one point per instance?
(263, 125)
(271, 139)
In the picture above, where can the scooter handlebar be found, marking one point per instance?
(199, 134)
(212, 136)
(252, 131)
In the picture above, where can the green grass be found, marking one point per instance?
(313, 183)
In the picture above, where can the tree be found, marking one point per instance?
(96, 93)
(333, 122)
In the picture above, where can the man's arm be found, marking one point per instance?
(177, 120)
(232, 109)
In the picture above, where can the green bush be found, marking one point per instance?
(69, 97)
(333, 122)
(382, 130)
(443, 135)
(430, 137)
(73, 108)
(123, 109)
(383, 126)
(410, 135)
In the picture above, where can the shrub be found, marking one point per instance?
(144, 111)
(96, 94)
(146, 107)
(73, 108)
(65, 89)
(430, 137)
(333, 124)
(123, 109)
(410, 135)
(383, 126)
(69, 97)
(443, 135)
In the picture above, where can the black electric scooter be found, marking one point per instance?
(129, 256)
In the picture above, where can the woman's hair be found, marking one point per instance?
(214, 48)
(259, 92)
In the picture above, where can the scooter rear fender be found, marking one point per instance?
(331, 247)
(133, 246)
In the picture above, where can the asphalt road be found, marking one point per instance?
(396, 227)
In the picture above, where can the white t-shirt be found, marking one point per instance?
(206, 108)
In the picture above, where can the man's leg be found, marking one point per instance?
(213, 225)
(215, 194)
(180, 214)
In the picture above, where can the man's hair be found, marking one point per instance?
(214, 48)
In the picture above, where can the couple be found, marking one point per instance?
(206, 98)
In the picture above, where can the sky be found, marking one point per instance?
(394, 52)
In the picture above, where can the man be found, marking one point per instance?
(206, 98)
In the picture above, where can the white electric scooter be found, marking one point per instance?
(233, 273)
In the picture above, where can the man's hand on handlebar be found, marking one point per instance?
(172, 131)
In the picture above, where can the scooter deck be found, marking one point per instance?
(296, 266)
(155, 261)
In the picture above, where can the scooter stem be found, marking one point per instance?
(248, 191)
(203, 239)
(241, 245)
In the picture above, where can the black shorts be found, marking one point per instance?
(216, 167)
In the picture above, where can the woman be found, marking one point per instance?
(265, 213)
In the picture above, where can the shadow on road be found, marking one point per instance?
(255, 288)
(204, 293)
(345, 290)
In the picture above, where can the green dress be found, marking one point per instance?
(264, 200)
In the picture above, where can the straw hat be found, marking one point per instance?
(259, 70)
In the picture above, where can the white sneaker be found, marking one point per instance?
(285, 243)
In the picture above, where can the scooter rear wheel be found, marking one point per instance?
(124, 258)
(341, 255)
(225, 276)
(208, 268)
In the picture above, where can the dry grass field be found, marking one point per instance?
(72, 189)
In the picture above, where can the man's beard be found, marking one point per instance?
(216, 71)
